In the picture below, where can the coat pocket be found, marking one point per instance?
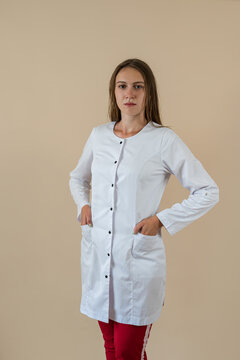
(86, 258)
(145, 243)
(86, 234)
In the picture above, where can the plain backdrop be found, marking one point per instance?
(56, 61)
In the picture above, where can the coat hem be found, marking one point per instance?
(132, 321)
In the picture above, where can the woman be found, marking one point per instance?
(127, 163)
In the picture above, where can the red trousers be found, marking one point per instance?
(124, 341)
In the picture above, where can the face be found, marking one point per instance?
(130, 87)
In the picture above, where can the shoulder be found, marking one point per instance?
(102, 129)
(170, 142)
(173, 145)
(103, 126)
(164, 134)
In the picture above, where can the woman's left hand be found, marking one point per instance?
(148, 226)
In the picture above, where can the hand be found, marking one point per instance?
(148, 226)
(86, 215)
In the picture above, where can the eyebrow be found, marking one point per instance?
(135, 82)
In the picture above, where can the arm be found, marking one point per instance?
(80, 177)
(177, 159)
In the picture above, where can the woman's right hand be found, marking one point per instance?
(86, 215)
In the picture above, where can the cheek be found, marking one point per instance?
(118, 100)
(143, 100)
(117, 95)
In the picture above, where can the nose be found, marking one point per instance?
(129, 94)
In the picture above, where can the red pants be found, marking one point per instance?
(124, 341)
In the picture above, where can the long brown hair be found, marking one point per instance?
(152, 103)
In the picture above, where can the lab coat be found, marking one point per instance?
(123, 274)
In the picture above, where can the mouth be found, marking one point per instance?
(129, 104)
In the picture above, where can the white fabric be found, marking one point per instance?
(124, 274)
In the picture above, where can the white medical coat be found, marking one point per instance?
(124, 274)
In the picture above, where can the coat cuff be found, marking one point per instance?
(162, 216)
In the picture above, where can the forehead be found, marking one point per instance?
(129, 75)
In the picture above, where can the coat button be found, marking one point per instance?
(112, 184)
(109, 232)
(108, 254)
(111, 208)
(120, 142)
(106, 276)
(115, 161)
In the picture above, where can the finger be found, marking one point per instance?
(89, 221)
(137, 229)
(84, 221)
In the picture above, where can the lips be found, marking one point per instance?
(130, 104)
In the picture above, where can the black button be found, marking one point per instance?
(110, 208)
(115, 161)
(106, 276)
(109, 232)
(108, 254)
(112, 184)
(120, 142)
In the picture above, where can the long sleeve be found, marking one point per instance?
(177, 159)
(80, 177)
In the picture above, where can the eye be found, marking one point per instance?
(138, 86)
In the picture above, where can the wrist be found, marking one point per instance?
(159, 222)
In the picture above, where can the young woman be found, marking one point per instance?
(127, 163)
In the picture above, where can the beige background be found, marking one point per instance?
(56, 61)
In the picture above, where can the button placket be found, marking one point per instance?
(111, 209)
